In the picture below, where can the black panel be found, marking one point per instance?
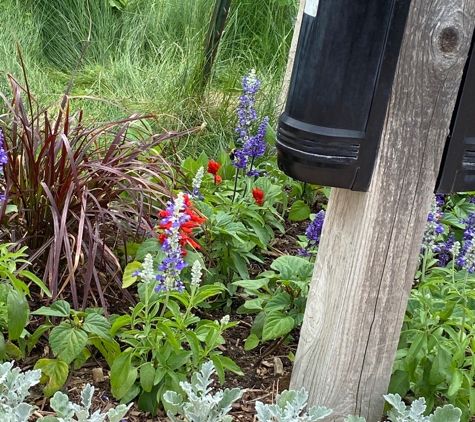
(457, 170)
(344, 67)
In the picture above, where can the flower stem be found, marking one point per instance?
(235, 183)
(165, 303)
(462, 326)
(250, 169)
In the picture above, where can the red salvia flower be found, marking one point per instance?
(258, 196)
(213, 167)
(186, 228)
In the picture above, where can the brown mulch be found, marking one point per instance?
(266, 371)
(263, 379)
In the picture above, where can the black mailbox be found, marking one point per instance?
(457, 170)
(344, 67)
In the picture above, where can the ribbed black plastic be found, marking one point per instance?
(343, 71)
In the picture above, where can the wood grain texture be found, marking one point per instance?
(371, 241)
(290, 61)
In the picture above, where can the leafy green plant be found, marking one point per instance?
(14, 309)
(67, 411)
(435, 357)
(201, 405)
(69, 341)
(278, 296)
(80, 191)
(166, 341)
(237, 226)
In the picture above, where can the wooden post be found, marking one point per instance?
(371, 241)
(290, 61)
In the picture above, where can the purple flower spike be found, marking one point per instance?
(173, 263)
(255, 146)
(444, 250)
(314, 233)
(247, 114)
(433, 226)
(240, 159)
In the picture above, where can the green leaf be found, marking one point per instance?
(253, 305)
(205, 292)
(118, 4)
(151, 246)
(226, 363)
(60, 308)
(148, 400)
(299, 211)
(17, 307)
(440, 366)
(67, 342)
(29, 275)
(258, 324)
(293, 268)
(251, 342)
(194, 344)
(171, 336)
(278, 302)
(119, 323)
(54, 374)
(122, 374)
(177, 360)
(270, 135)
(260, 232)
(3, 351)
(240, 265)
(252, 284)
(128, 279)
(456, 382)
(452, 220)
(399, 383)
(13, 351)
(97, 324)
(416, 346)
(276, 325)
(147, 375)
(472, 400)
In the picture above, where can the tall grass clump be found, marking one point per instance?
(144, 57)
(78, 192)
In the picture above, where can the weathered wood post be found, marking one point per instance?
(371, 241)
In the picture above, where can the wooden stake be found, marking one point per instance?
(371, 241)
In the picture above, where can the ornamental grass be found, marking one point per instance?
(75, 194)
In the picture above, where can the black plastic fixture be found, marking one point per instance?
(344, 67)
(457, 170)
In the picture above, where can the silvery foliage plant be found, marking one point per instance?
(14, 386)
(415, 413)
(68, 412)
(201, 405)
(288, 407)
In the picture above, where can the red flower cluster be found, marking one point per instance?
(186, 227)
(213, 168)
(258, 196)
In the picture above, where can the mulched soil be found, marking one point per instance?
(263, 379)
(266, 373)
